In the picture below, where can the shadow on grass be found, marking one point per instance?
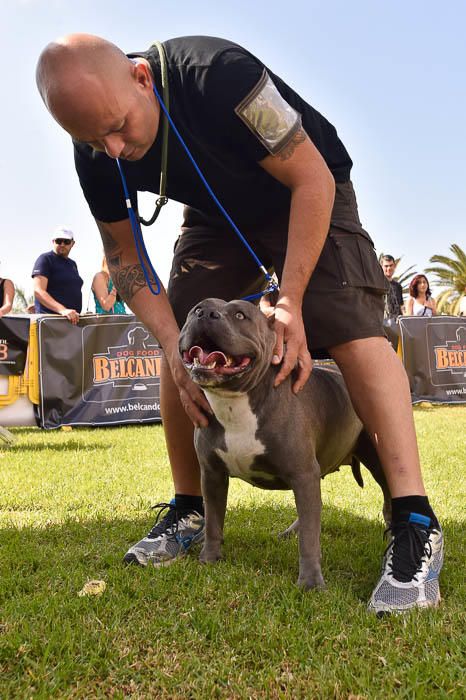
(37, 430)
(352, 547)
(65, 446)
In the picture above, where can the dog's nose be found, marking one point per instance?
(205, 313)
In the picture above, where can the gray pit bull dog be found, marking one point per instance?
(268, 436)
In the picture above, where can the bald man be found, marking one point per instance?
(282, 173)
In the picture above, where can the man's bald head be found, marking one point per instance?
(88, 85)
(80, 60)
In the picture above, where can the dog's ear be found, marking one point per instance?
(268, 311)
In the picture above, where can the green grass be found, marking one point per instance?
(72, 502)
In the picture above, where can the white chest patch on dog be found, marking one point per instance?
(234, 414)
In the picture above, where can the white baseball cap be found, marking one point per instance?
(63, 232)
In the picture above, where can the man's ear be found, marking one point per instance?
(142, 74)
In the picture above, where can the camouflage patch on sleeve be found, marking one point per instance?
(268, 115)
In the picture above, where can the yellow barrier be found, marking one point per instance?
(26, 384)
(13, 392)
(32, 375)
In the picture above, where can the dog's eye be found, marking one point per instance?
(239, 315)
(198, 311)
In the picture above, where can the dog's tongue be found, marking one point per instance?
(207, 358)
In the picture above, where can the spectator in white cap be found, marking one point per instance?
(57, 284)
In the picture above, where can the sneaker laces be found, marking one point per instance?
(166, 521)
(408, 547)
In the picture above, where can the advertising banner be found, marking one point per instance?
(104, 371)
(14, 336)
(434, 356)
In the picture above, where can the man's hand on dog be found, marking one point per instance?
(291, 345)
(192, 397)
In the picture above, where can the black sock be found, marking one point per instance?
(403, 506)
(186, 504)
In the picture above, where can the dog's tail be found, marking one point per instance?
(366, 454)
(356, 469)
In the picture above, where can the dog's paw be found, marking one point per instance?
(312, 581)
(210, 556)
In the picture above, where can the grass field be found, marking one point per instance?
(72, 502)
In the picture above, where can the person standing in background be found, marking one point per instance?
(57, 284)
(7, 295)
(421, 301)
(462, 309)
(394, 305)
(107, 300)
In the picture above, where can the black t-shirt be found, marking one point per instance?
(64, 283)
(209, 79)
(394, 300)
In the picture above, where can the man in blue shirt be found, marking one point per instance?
(57, 284)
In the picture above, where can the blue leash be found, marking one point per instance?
(137, 233)
(138, 238)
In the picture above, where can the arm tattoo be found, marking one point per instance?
(110, 245)
(127, 280)
(287, 151)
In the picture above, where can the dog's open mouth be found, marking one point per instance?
(215, 361)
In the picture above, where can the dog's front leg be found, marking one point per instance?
(306, 488)
(215, 491)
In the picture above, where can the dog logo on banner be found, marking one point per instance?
(135, 364)
(121, 362)
(450, 357)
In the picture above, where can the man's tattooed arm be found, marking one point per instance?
(287, 151)
(110, 245)
(128, 279)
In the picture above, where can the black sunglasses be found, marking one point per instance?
(63, 241)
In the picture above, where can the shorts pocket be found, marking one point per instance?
(357, 262)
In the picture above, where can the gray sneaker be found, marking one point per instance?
(170, 538)
(411, 568)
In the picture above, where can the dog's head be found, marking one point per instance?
(226, 344)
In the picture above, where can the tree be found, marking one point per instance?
(21, 301)
(451, 274)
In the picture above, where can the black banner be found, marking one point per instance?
(14, 337)
(104, 371)
(434, 356)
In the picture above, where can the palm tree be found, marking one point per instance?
(452, 276)
(404, 278)
(21, 301)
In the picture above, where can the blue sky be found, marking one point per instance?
(389, 76)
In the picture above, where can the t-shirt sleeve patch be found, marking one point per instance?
(268, 115)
